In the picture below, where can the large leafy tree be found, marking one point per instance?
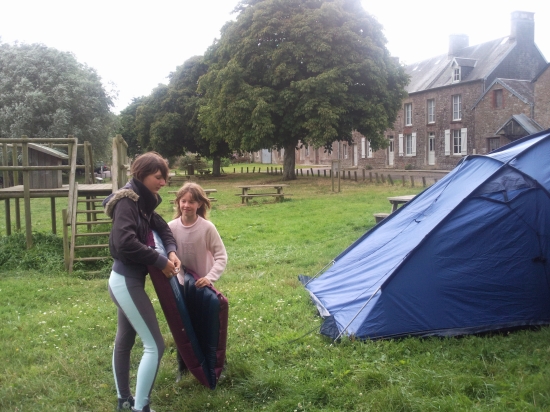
(47, 93)
(168, 120)
(127, 125)
(287, 72)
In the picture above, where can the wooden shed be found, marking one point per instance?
(40, 155)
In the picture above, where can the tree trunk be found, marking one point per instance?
(216, 166)
(289, 162)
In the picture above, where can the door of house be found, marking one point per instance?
(390, 152)
(431, 149)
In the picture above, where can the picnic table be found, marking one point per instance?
(395, 202)
(246, 195)
(399, 200)
(207, 191)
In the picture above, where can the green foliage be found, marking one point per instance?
(45, 256)
(127, 126)
(167, 120)
(48, 93)
(288, 71)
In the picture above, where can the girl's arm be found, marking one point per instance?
(216, 247)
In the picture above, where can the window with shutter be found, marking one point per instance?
(447, 142)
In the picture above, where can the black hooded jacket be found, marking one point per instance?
(132, 209)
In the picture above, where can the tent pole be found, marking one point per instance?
(357, 314)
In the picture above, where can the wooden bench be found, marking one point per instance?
(279, 195)
(378, 217)
(177, 180)
(203, 172)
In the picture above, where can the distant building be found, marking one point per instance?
(472, 100)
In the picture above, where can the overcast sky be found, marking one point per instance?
(135, 45)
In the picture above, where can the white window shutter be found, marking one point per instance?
(464, 141)
(363, 150)
(370, 150)
(400, 145)
(414, 144)
(447, 142)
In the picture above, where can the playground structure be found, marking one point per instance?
(90, 193)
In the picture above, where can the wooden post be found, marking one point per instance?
(382, 178)
(5, 173)
(311, 168)
(246, 169)
(88, 169)
(370, 177)
(412, 181)
(355, 173)
(16, 183)
(72, 161)
(52, 209)
(390, 179)
(302, 172)
(363, 174)
(8, 216)
(403, 180)
(424, 181)
(65, 238)
(377, 180)
(307, 173)
(318, 173)
(253, 169)
(27, 191)
(325, 172)
(242, 170)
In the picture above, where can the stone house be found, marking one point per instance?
(471, 100)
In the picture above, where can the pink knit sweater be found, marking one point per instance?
(200, 248)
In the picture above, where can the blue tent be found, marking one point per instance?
(470, 254)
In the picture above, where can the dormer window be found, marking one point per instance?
(456, 74)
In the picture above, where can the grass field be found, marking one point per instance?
(57, 330)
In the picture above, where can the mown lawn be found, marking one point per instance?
(57, 330)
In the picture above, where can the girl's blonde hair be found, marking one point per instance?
(198, 194)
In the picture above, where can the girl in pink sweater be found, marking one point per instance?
(199, 245)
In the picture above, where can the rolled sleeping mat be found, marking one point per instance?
(197, 318)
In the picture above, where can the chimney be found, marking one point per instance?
(523, 27)
(457, 42)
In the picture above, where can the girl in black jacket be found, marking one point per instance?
(132, 209)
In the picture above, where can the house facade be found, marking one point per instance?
(471, 100)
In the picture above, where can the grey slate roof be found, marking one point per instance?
(528, 124)
(522, 89)
(436, 71)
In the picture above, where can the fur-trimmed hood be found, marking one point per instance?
(110, 202)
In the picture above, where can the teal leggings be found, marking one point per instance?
(135, 315)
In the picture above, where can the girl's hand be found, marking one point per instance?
(174, 259)
(202, 282)
(170, 269)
